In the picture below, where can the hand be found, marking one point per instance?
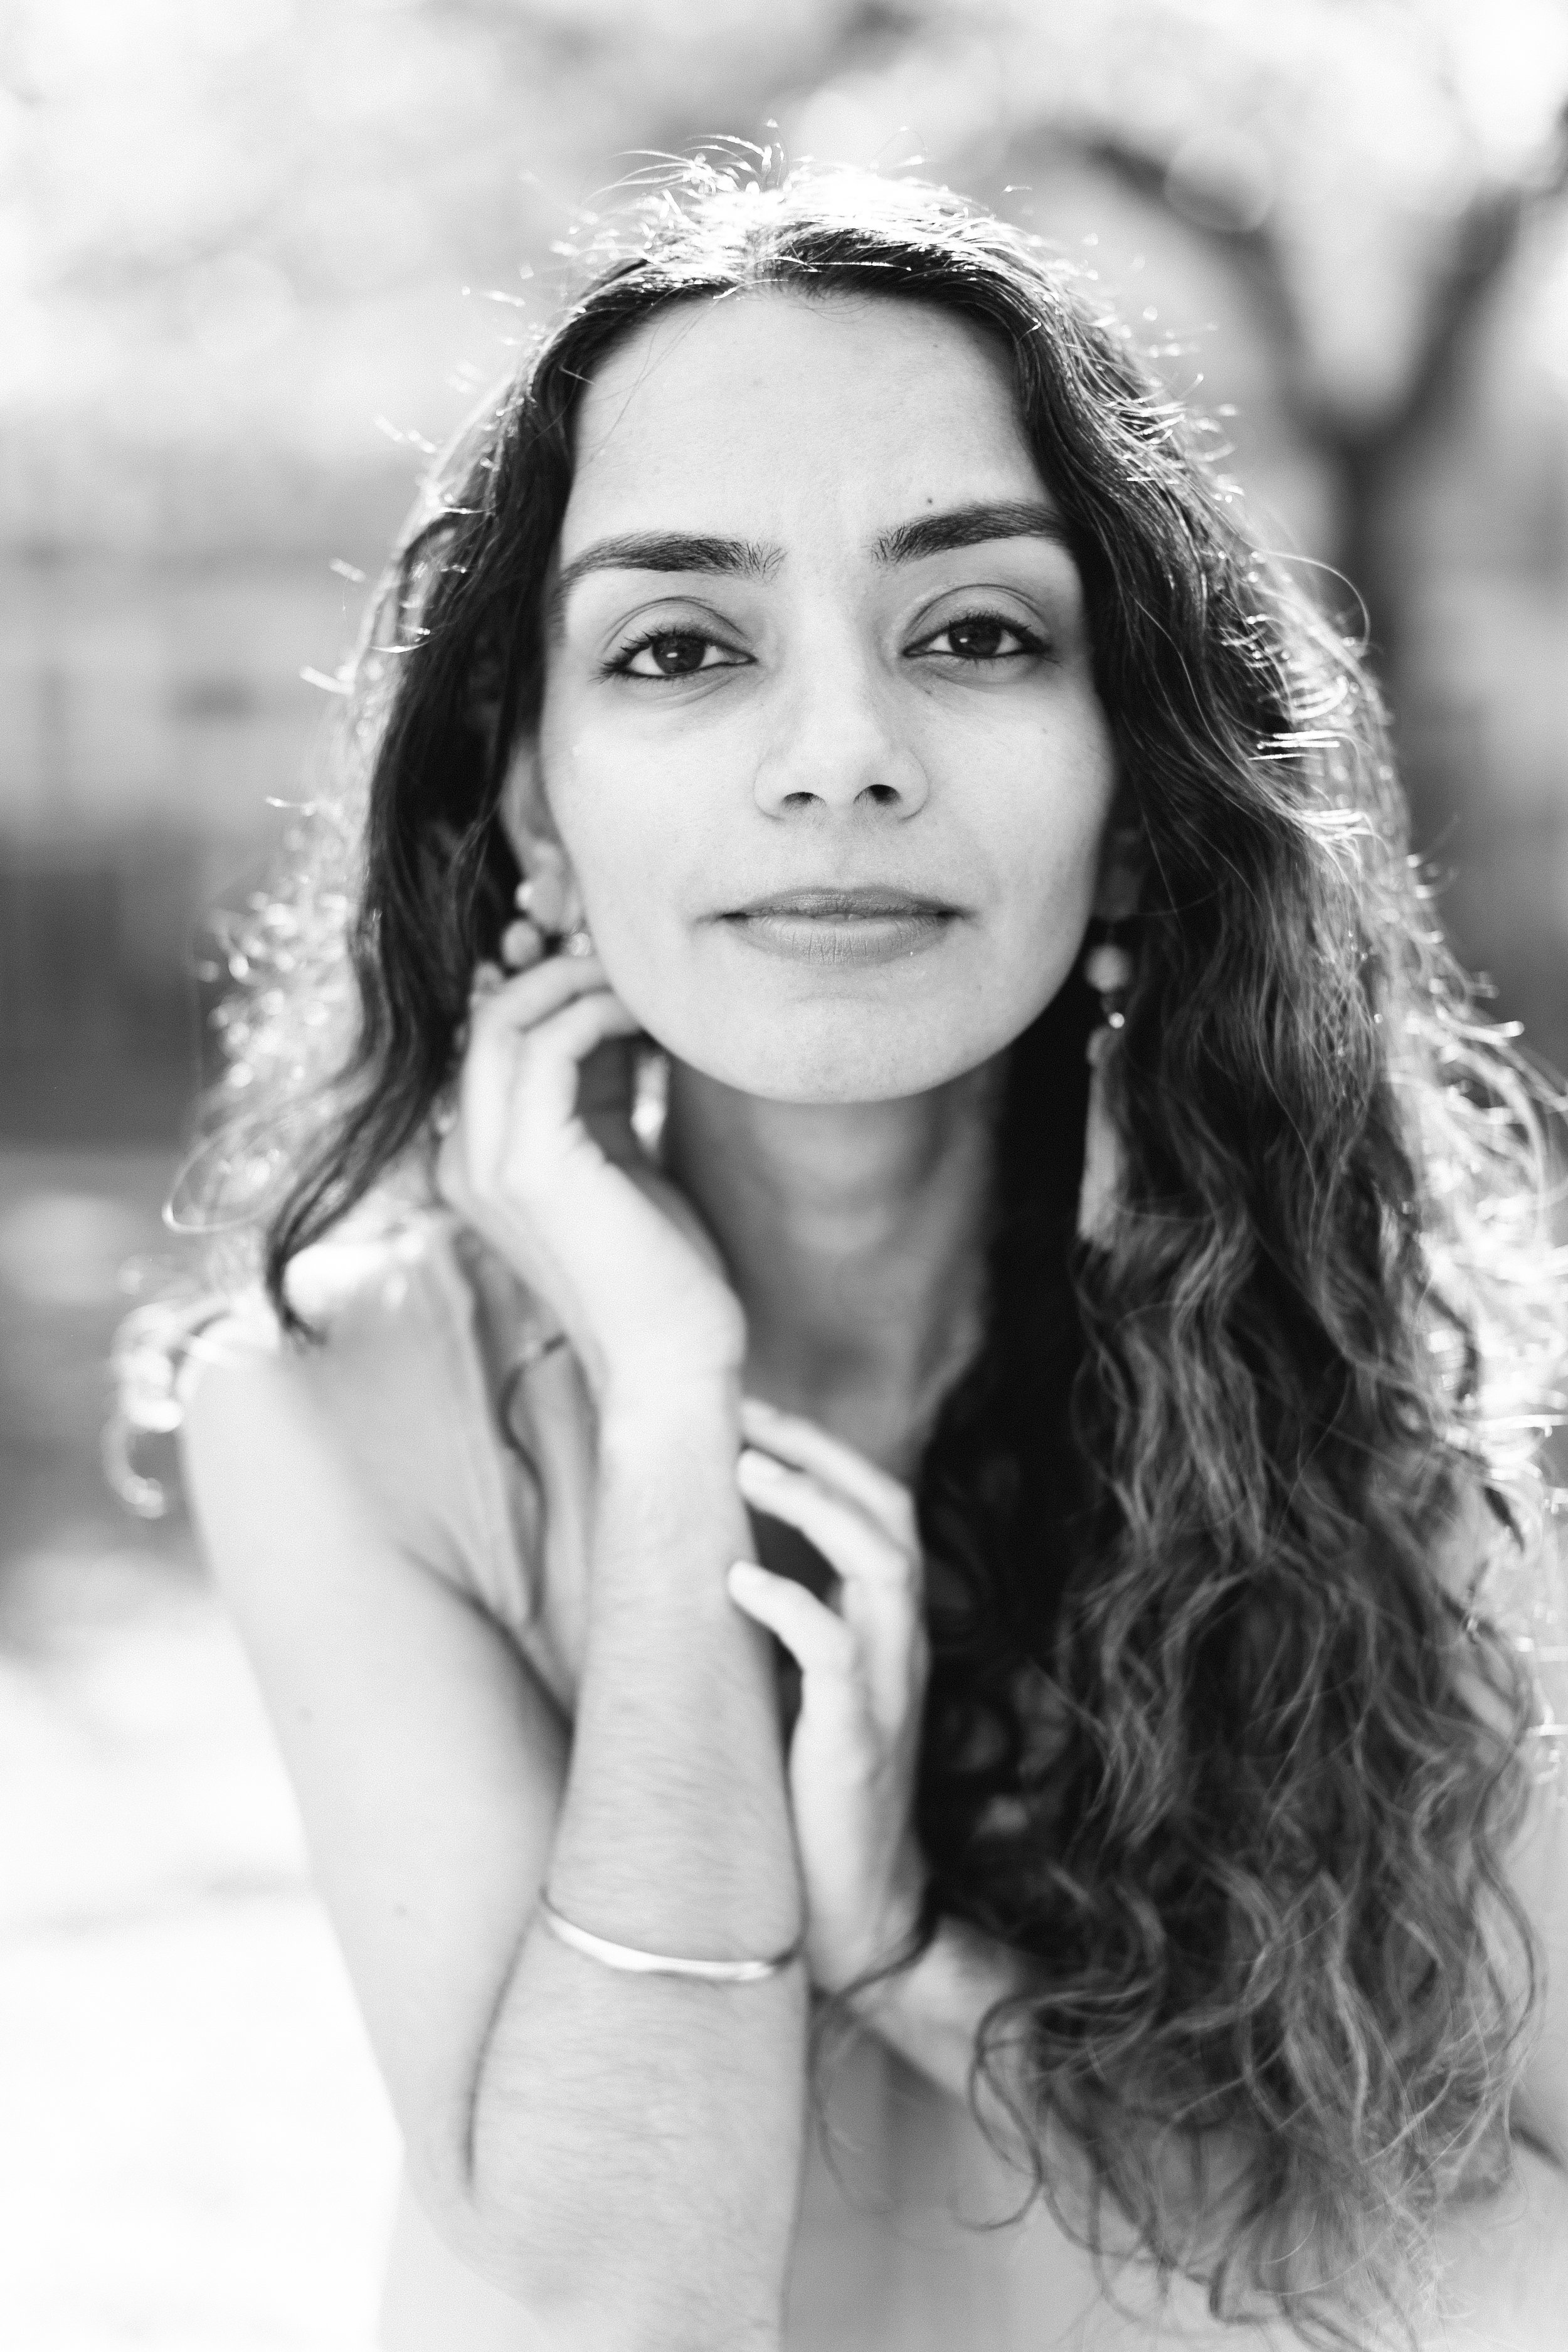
(856, 1743)
(542, 1162)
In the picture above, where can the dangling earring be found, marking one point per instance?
(650, 1100)
(1108, 968)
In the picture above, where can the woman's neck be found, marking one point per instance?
(854, 1234)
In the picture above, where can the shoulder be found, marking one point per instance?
(389, 1400)
(386, 1317)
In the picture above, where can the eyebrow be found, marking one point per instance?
(972, 526)
(938, 535)
(664, 550)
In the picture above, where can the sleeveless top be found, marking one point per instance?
(467, 1427)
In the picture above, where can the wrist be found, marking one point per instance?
(878, 1964)
(651, 1404)
(669, 1365)
(668, 1515)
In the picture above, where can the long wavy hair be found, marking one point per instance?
(1220, 1731)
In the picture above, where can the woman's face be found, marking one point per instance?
(819, 734)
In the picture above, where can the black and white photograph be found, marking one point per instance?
(784, 1176)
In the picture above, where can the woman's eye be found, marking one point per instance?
(982, 638)
(673, 653)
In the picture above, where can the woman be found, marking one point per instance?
(1087, 1231)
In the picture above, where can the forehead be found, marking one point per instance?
(763, 410)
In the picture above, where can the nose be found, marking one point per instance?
(837, 744)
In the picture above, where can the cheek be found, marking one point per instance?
(631, 855)
(1050, 891)
(1017, 822)
(1042, 842)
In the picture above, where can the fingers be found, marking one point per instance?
(545, 1084)
(881, 1596)
(845, 1535)
(808, 1446)
(558, 1045)
(822, 1645)
(527, 1037)
(503, 1007)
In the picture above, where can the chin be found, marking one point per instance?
(858, 1061)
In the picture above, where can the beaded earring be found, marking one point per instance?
(1108, 968)
(542, 899)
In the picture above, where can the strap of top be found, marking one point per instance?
(421, 1339)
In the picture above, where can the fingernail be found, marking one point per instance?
(761, 1465)
(745, 1571)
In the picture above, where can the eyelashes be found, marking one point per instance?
(973, 636)
(682, 643)
(979, 625)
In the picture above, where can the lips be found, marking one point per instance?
(865, 902)
(871, 923)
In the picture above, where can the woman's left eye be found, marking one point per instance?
(982, 638)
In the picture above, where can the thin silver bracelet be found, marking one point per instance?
(661, 1964)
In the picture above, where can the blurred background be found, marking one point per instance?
(257, 259)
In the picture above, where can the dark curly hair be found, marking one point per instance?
(1219, 1732)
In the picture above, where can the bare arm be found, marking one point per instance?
(650, 2130)
(620, 2154)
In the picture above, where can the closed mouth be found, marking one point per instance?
(867, 902)
(843, 929)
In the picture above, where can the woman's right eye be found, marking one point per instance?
(674, 653)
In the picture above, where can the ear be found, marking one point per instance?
(523, 808)
(1123, 853)
(524, 813)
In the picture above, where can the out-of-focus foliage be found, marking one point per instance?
(258, 256)
(1353, 141)
(241, 228)
(248, 224)
(1342, 224)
